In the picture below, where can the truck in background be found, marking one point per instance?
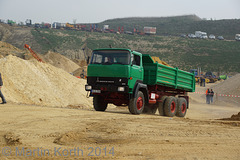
(128, 78)
(237, 37)
(150, 30)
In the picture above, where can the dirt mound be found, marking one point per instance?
(32, 82)
(8, 49)
(70, 138)
(230, 86)
(60, 61)
(156, 59)
(80, 72)
(236, 117)
(12, 139)
(81, 63)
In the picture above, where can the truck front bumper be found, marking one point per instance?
(106, 88)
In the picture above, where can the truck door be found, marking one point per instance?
(136, 69)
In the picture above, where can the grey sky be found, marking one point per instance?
(94, 11)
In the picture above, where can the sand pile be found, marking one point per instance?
(32, 82)
(8, 49)
(60, 61)
(235, 117)
(230, 86)
(156, 59)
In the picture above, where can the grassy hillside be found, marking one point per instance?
(178, 25)
(211, 55)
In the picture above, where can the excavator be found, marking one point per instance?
(33, 53)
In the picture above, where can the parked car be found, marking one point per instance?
(192, 36)
(220, 38)
(183, 35)
(237, 37)
(211, 36)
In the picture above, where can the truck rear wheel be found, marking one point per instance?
(99, 104)
(136, 105)
(181, 107)
(161, 106)
(170, 106)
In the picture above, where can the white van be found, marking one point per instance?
(237, 37)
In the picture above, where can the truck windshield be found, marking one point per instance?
(109, 57)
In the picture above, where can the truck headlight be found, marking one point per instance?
(121, 89)
(88, 88)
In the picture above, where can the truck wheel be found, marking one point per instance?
(150, 109)
(170, 106)
(136, 105)
(181, 107)
(99, 104)
(161, 106)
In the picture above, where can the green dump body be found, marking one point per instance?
(159, 74)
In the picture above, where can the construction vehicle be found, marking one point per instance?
(128, 78)
(224, 77)
(10, 22)
(212, 78)
(69, 26)
(33, 53)
(28, 22)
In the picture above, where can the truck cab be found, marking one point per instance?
(114, 75)
(114, 70)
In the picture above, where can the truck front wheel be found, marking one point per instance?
(170, 106)
(136, 105)
(99, 104)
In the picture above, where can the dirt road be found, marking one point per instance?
(57, 133)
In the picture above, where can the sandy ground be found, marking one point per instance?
(58, 133)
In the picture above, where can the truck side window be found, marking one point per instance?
(136, 60)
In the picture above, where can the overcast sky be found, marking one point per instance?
(94, 11)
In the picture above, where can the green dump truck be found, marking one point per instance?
(128, 78)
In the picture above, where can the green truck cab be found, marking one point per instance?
(128, 78)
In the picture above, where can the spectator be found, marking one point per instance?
(1, 95)
(211, 95)
(208, 96)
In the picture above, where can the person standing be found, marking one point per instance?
(1, 95)
(208, 96)
(211, 95)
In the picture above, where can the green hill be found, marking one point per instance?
(184, 53)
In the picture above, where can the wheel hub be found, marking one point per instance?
(173, 107)
(183, 108)
(139, 103)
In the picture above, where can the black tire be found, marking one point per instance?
(181, 107)
(170, 106)
(136, 105)
(161, 106)
(99, 104)
(150, 109)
